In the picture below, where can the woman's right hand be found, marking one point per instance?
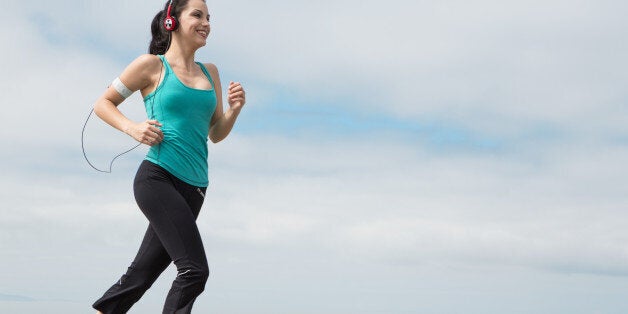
(147, 132)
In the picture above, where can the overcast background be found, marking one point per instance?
(393, 157)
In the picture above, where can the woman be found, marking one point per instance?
(183, 100)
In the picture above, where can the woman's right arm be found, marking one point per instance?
(141, 74)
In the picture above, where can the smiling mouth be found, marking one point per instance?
(203, 33)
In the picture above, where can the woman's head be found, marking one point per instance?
(186, 11)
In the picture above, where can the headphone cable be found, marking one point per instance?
(132, 148)
(85, 155)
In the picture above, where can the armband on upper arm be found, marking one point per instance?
(121, 88)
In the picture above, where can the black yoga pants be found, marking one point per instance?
(171, 207)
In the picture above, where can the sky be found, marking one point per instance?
(392, 157)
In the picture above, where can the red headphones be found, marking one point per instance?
(170, 22)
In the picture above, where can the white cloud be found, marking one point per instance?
(490, 65)
(304, 201)
(396, 203)
(277, 202)
(493, 66)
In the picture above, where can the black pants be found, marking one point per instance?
(171, 207)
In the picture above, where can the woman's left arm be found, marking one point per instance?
(222, 122)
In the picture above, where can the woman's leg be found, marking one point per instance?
(171, 207)
(165, 201)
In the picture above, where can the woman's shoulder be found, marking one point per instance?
(144, 66)
(213, 70)
(141, 71)
(147, 60)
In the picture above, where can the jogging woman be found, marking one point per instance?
(183, 101)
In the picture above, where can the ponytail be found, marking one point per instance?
(161, 38)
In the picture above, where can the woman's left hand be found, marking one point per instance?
(236, 96)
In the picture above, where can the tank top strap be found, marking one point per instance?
(206, 73)
(166, 64)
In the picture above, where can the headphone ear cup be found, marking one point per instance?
(170, 23)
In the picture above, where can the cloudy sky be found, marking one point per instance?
(393, 157)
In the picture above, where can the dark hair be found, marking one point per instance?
(160, 42)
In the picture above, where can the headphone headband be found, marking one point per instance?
(169, 7)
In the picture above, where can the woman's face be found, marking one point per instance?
(194, 22)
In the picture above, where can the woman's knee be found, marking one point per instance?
(194, 275)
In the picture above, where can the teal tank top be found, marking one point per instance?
(185, 114)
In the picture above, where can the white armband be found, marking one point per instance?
(121, 88)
